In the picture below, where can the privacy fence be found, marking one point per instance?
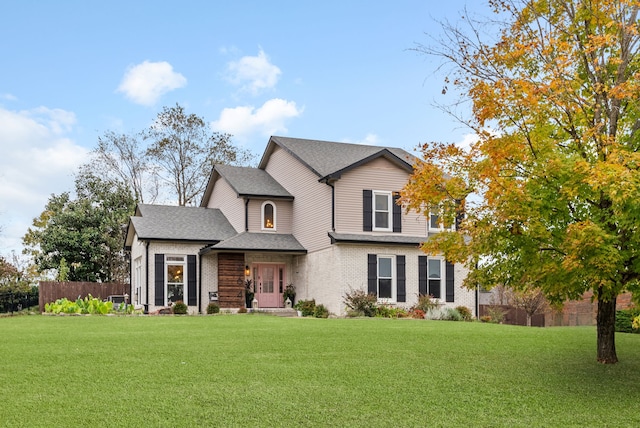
(14, 301)
(50, 291)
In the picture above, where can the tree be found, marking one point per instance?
(185, 151)
(122, 157)
(530, 299)
(84, 235)
(555, 106)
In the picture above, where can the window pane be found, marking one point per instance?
(382, 202)
(384, 267)
(434, 288)
(175, 292)
(384, 288)
(434, 268)
(434, 221)
(175, 273)
(268, 216)
(175, 258)
(382, 219)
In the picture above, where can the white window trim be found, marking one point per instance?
(183, 263)
(275, 222)
(389, 211)
(442, 278)
(394, 279)
(440, 227)
(137, 279)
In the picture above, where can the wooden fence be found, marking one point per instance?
(50, 291)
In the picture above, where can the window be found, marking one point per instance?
(268, 216)
(137, 278)
(386, 277)
(435, 277)
(436, 225)
(382, 203)
(175, 278)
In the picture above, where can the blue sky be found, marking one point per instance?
(329, 70)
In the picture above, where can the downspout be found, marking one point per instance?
(333, 205)
(146, 276)
(246, 215)
(199, 283)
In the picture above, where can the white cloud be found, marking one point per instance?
(145, 83)
(253, 73)
(266, 120)
(8, 97)
(38, 159)
(368, 140)
(467, 141)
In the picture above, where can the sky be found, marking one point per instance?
(329, 70)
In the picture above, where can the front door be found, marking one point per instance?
(269, 281)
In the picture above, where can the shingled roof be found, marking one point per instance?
(164, 222)
(247, 241)
(252, 182)
(328, 159)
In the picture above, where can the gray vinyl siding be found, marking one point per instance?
(284, 211)
(225, 198)
(379, 174)
(311, 212)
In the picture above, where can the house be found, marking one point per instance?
(316, 214)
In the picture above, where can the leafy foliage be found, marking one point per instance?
(555, 109)
(321, 311)
(180, 308)
(185, 150)
(88, 305)
(465, 313)
(213, 308)
(82, 238)
(361, 303)
(306, 307)
(625, 319)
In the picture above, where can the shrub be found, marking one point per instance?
(427, 303)
(624, 320)
(417, 314)
(213, 308)
(180, 308)
(385, 311)
(321, 312)
(451, 314)
(242, 310)
(360, 303)
(306, 307)
(88, 305)
(636, 323)
(465, 313)
(496, 314)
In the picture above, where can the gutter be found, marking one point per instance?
(333, 203)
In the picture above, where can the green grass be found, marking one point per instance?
(251, 370)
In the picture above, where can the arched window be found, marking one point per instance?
(268, 216)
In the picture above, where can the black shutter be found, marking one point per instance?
(372, 274)
(159, 280)
(367, 210)
(401, 293)
(449, 282)
(422, 275)
(191, 281)
(397, 213)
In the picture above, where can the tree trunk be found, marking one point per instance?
(606, 324)
(529, 320)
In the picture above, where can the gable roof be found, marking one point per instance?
(328, 159)
(174, 223)
(246, 182)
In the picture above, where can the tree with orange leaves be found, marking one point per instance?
(556, 107)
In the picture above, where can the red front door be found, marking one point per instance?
(269, 280)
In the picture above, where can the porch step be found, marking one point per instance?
(281, 312)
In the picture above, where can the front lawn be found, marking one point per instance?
(255, 370)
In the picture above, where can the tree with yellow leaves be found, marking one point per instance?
(556, 107)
